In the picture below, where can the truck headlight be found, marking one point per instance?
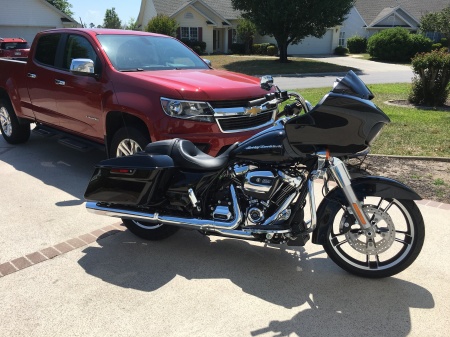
(199, 111)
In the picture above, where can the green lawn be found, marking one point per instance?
(260, 65)
(412, 132)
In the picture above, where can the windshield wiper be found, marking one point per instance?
(131, 70)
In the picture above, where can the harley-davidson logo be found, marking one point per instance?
(253, 111)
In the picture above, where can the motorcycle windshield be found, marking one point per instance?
(351, 84)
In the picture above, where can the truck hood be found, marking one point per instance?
(212, 85)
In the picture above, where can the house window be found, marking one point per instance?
(190, 33)
(342, 39)
(188, 15)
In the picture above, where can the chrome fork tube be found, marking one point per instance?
(342, 177)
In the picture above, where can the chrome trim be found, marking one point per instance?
(342, 177)
(274, 216)
(192, 223)
(254, 187)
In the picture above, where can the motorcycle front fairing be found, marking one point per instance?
(344, 122)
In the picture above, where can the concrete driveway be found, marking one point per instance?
(66, 272)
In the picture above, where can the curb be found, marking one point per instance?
(444, 159)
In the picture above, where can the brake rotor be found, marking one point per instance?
(376, 240)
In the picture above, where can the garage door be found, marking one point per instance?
(28, 33)
(313, 45)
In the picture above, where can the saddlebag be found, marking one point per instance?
(135, 180)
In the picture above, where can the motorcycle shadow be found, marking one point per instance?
(285, 276)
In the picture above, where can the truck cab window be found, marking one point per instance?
(46, 49)
(78, 47)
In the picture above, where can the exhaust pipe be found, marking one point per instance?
(191, 223)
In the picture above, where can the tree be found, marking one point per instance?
(437, 22)
(246, 31)
(132, 24)
(111, 19)
(162, 24)
(290, 21)
(63, 5)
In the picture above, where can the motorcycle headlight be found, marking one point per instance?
(199, 111)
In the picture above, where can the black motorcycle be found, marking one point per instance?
(259, 189)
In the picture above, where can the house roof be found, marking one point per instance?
(64, 16)
(372, 11)
(222, 7)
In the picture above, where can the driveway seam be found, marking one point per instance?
(59, 249)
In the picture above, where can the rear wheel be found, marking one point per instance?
(12, 131)
(390, 246)
(150, 231)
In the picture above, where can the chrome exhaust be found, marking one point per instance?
(191, 223)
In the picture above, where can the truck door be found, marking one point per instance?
(79, 100)
(41, 79)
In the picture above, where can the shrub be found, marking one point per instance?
(397, 45)
(162, 24)
(198, 46)
(436, 46)
(419, 44)
(340, 50)
(256, 49)
(272, 50)
(238, 48)
(444, 42)
(432, 76)
(357, 44)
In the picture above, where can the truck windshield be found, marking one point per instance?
(143, 53)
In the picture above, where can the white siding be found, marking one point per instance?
(25, 18)
(354, 25)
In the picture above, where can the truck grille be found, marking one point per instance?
(244, 122)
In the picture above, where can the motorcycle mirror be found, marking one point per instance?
(266, 82)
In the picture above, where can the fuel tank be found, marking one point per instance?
(266, 146)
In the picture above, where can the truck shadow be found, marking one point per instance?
(55, 165)
(335, 300)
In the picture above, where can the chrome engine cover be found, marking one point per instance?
(260, 184)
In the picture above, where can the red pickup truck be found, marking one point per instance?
(123, 89)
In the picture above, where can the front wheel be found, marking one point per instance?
(12, 131)
(128, 141)
(150, 231)
(390, 246)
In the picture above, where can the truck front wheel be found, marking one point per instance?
(12, 130)
(127, 141)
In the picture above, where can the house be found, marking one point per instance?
(215, 21)
(211, 21)
(368, 17)
(25, 18)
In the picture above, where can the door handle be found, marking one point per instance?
(60, 82)
(31, 75)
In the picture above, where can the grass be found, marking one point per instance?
(259, 65)
(412, 132)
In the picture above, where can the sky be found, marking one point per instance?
(94, 10)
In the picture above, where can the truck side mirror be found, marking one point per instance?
(266, 82)
(208, 62)
(83, 67)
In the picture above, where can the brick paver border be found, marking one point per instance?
(86, 239)
(59, 249)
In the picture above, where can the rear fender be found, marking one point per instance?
(368, 186)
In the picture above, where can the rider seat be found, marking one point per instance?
(186, 155)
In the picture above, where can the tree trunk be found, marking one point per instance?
(282, 49)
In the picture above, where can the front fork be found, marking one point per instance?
(340, 174)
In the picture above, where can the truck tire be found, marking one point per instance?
(127, 141)
(12, 131)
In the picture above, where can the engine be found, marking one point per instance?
(268, 194)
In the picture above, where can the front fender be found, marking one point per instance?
(368, 186)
